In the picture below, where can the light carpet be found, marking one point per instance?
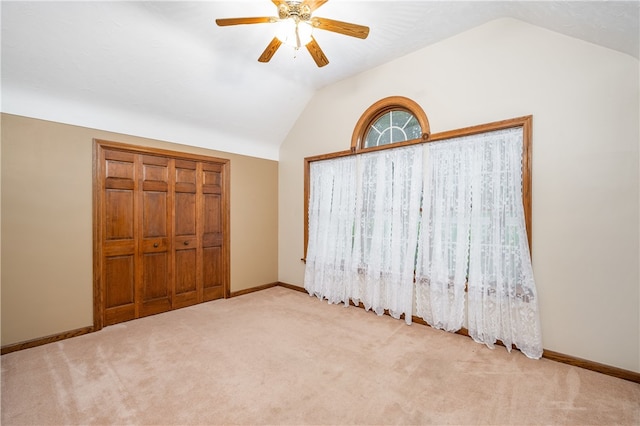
(282, 357)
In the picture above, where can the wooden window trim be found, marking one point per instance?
(525, 122)
(380, 108)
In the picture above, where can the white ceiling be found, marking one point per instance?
(164, 70)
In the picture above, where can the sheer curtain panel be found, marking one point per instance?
(502, 297)
(388, 213)
(332, 204)
(473, 232)
(443, 248)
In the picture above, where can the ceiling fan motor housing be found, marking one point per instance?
(295, 10)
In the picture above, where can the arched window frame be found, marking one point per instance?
(380, 108)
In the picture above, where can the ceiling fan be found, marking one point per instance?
(297, 23)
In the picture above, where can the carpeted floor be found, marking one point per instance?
(281, 357)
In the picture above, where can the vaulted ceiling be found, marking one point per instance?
(164, 69)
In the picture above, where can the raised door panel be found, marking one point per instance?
(185, 214)
(213, 268)
(186, 290)
(186, 251)
(212, 277)
(119, 275)
(118, 242)
(119, 215)
(155, 274)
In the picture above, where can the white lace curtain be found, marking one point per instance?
(332, 209)
(363, 226)
(443, 247)
(473, 234)
(454, 217)
(386, 229)
(502, 298)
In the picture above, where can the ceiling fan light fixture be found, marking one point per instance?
(295, 34)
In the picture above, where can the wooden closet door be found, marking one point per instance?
(187, 254)
(213, 265)
(161, 224)
(118, 208)
(155, 272)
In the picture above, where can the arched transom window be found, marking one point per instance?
(391, 120)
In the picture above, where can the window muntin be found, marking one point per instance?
(393, 126)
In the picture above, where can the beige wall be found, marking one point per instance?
(585, 105)
(46, 280)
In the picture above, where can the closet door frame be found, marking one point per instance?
(99, 173)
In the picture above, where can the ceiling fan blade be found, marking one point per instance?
(277, 2)
(316, 53)
(346, 28)
(242, 21)
(314, 4)
(270, 50)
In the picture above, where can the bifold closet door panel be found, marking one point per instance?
(155, 271)
(186, 246)
(160, 219)
(213, 273)
(119, 237)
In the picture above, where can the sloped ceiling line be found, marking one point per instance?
(166, 66)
